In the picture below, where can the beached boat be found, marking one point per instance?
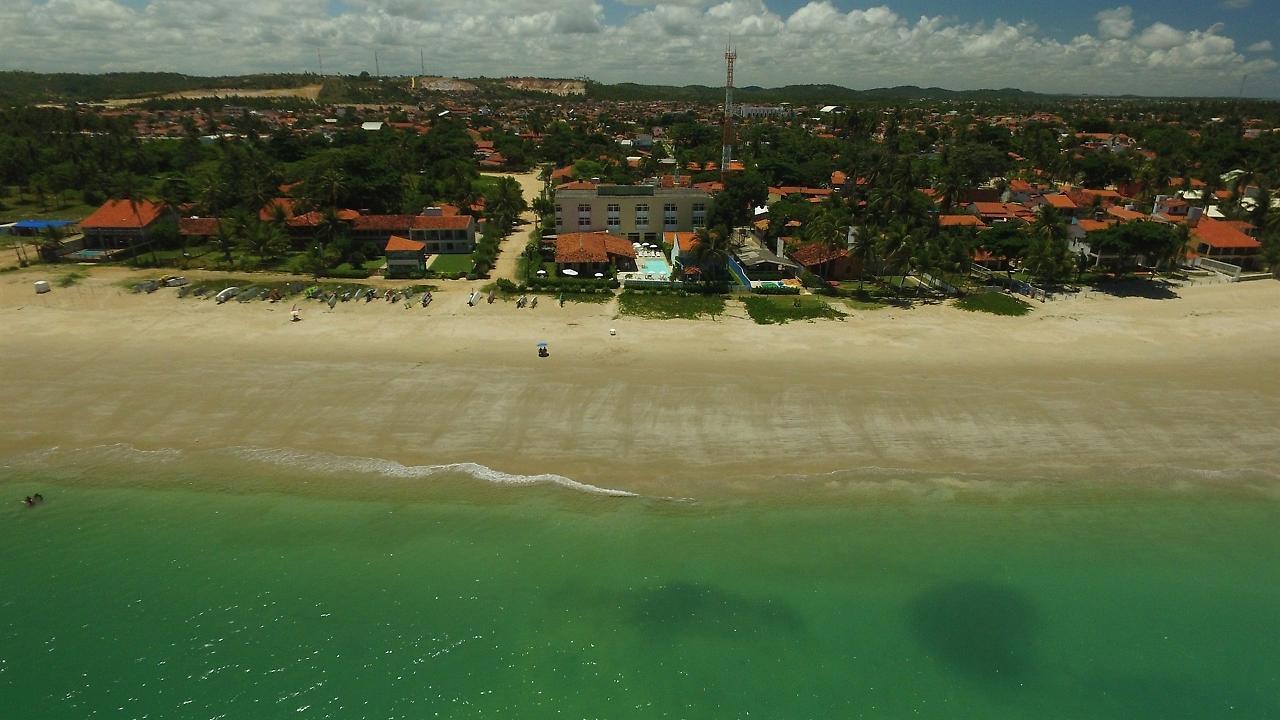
(226, 294)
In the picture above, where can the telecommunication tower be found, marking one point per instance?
(726, 149)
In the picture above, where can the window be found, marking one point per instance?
(448, 246)
(615, 217)
(559, 217)
(633, 237)
(699, 215)
(642, 215)
(669, 216)
(650, 237)
(584, 217)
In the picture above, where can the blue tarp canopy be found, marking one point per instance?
(41, 224)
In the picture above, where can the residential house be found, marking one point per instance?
(829, 263)
(405, 258)
(198, 230)
(1227, 242)
(592, 252)
(121, 224)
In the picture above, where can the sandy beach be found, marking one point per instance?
(671, 407)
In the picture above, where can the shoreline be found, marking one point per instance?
(666, 408)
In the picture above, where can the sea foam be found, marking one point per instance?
(337, 464)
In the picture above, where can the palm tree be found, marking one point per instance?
(710, 254)
(863, 250)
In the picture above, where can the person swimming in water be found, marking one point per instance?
(30, 502)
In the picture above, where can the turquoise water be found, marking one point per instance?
(154, 590)
(655, 265)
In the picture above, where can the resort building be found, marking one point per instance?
(405, 258)
(588, 253)
(442, 234)
(121, 224)
(638, 213)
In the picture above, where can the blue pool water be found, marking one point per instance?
(655, 265)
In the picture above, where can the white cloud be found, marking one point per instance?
(1115, 23)
(1160, 36)
(1260, 47)
(659, 41)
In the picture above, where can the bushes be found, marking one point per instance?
(346, 273)
(507, 286)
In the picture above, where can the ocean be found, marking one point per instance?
(267, 584)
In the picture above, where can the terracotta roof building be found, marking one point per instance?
(121, 224)
(594, 251)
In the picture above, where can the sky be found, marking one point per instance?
(1171, 47)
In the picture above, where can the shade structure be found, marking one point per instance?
(570, 272)
(599, 275)
(542, 343)
(542, 272)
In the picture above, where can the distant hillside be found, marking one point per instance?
(24, 88)
(803, 94)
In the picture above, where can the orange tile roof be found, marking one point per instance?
(591, 247)
(1061, 202)
(1220, 235)
(839, 178)
(399, 244)
(123, 215)
(1126, 214)
(960, 221)
(1095, 225)
(682, 240)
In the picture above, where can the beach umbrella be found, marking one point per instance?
(570, 272)
(599, 275)
(542, 344)
(542, 272)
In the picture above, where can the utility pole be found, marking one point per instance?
(726, 149)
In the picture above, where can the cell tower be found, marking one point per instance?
(726, 150)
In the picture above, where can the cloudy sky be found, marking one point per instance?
(1171, 47)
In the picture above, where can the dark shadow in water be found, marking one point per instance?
(980, 630)
(697, 609)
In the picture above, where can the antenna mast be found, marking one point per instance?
(377, 69)
(321, 61)
(726, 150)
(422, 60)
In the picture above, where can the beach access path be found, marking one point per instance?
(1102, 386)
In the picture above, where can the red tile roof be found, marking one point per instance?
(683, 241)
(1221, 235)
(591, 247)
(577, 185)
(441, 222)
(268, 211)
(198, 226)
(1126, 214)
(817, 254)
(839, 178)
(382, 222)
(123, 215)
(399, 244)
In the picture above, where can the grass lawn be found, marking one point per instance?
(995, 303)
(451, 264)
(21, 206)
(779, 309)
(858, 303)
(665, 307)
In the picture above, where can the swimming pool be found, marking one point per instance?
(655, 265)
